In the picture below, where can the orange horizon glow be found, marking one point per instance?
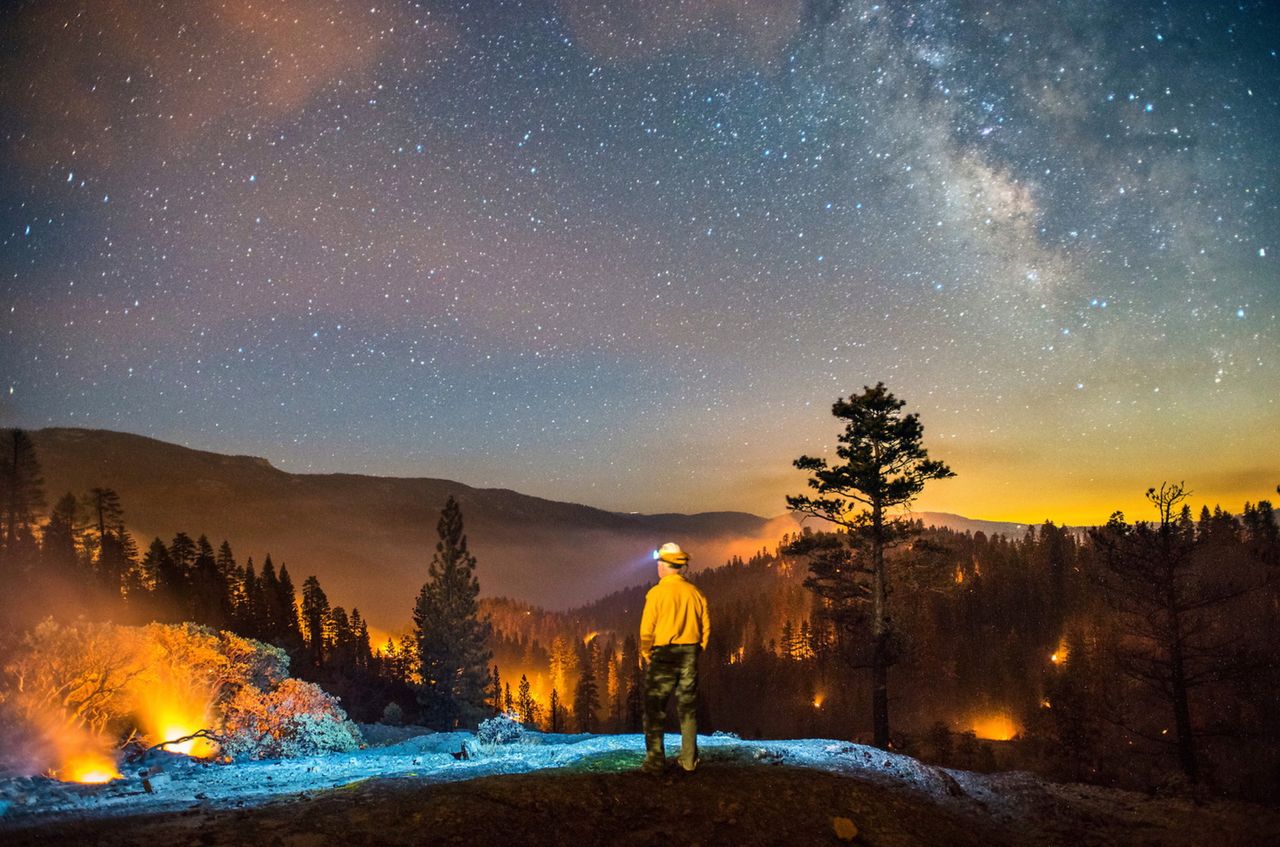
(1081, 498)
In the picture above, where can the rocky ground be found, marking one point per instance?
(744, 794)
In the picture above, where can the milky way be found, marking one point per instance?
(629, 253)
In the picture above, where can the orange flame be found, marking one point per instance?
(998, 727)
(89, 768)
(170, 712)
(74, 753)
(83, 756)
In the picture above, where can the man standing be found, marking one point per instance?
(673, 631)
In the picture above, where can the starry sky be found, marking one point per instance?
(627, 253)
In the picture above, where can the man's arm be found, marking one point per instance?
(705, 623)
(648, 623)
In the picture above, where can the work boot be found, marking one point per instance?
(653, 764)
(688, 763)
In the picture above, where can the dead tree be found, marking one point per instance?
(1170, 602)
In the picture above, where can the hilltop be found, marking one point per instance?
(587, 790)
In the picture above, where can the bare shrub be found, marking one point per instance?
(295, 718)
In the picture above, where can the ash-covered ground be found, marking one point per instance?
(416, 789)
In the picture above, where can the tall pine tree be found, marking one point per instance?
(21, 496)
(882, 466)
(452, 640)
(60, 540)
(252, 615)
(315, 614)
(286, 611)
(111, 548)
(525, 705)
(210, 604)
(586, 695)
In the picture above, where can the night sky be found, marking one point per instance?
(629, 253)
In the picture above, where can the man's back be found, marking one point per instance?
(675, 612)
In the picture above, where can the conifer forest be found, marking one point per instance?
(1050, 651)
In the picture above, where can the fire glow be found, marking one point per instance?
(81, 755)
(172, 713)
(162, 715)
(997, 727)
(90, 768)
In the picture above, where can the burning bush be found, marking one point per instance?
(63, 693)
(295, 718)
(73, 695)
(191, 674)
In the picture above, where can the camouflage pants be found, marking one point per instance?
(673, 667)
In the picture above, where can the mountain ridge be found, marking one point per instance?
(369, 538)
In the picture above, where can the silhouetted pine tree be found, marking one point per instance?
(21, 497)
(452, 639)
(168, 581)
(60, 539)
(495, 690)
(883, 465)
(315, 614)
(555, 719)
(273, 617)
(586, 696)
(635, 703)
(232, 576)
(526, 706)
(253, 614)
(363, 658)
(182, 551)
(209, 601)
(787, 641)
(286, 610)
(138, 582)
(633, 675)
(1170, 603)
(109, 546)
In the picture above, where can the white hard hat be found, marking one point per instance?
(671, 554)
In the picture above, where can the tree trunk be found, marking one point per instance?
(880, 634)
(1181, 701)
(1182, 720)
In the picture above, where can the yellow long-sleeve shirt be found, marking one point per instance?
(675, 612)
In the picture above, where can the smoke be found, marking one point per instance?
(96, 84)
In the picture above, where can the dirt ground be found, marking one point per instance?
(605, 802)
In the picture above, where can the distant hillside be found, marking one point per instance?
(958, 523)
(369, 539)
